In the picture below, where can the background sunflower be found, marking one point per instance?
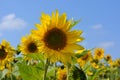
(6, 54)
(29, 45)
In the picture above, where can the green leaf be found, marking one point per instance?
(51, 73)
(82, 54)
(3, 73)
(29, 72)
(37, 56)
(87, 68)
(74, 23)
(74, 60)
(15, 71)
(19, 58)
(18, 51)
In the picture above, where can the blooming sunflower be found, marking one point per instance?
(118, 62)
(29, 45)
(99, 53)
(94, 65)
(58, 42)
(6, 54)
(84, 59)
(108, 58)
(89, 73)
(62, 74)
(113, 64)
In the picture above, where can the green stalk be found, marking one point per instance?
(11, 72)
(46, 68)
(55, 71)
(67, 72)
(11, 77)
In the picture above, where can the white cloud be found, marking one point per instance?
(107, 44)
(97, 26)
(12, 22)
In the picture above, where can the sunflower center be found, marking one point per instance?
(3, 53)
(55, 39)
(85, 57)
(118, 62)
(32, 47)
(108, 58)
(99, 53)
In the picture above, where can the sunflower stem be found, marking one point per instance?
(55, 72)
(67, 72)
(46, 68)
(11, 72)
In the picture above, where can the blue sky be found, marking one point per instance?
(100, 20)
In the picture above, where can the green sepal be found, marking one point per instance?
(74, 23)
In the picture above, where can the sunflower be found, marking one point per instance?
(94, 65)
(108, 58)
(113, 64)
(58, 41)
(89, 73)
(62, 74)
(118, 62)
(6, 54)
(84, 59)
(29, 45)
(99, 53)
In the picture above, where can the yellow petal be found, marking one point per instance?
(62, 20)
(57, 15)
(71, 47)
(66, 26)
(38, 26)
(45, 19)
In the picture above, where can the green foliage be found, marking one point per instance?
(29, 72)
(98, 71)
(77, 73)
(11, 77)
(0, 74)
(3, 73)
(82, 54)
(74, 23)
(52, 72)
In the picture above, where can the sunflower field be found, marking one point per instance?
(52, 51)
